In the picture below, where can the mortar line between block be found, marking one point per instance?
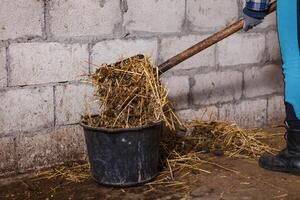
(16, 157)
(184, 27)
(123, 9)
(54, 106)
(240, 7)
(7, 66)
(157, 53)
(216, 62)
(45, 24)
(243, 85)
(266, 53)
(90, 51)
(191, 94)
(267, 109)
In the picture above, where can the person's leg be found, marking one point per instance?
(288, 21)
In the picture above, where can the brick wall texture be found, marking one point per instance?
(47, 45)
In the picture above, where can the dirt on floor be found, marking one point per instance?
(230, 178)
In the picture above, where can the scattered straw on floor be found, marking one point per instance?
(228, 138)
(185, 156)
(182, 155)
(75, 173)
(131, 95)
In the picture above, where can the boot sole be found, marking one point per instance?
(290, 171)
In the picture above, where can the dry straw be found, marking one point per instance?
(183, 155)
(228, 138)
(131, 95)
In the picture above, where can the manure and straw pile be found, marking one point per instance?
(131, 95)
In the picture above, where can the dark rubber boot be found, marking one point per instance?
(287, 160)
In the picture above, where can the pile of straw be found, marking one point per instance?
(228, 138)
(131, 95)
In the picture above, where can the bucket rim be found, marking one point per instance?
(114, 130)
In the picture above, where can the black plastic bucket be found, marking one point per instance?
(123, 157)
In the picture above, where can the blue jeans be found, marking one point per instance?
(288, 22)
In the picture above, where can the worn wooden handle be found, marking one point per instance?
(204, 44)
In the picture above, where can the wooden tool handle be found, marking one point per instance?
(233, 28)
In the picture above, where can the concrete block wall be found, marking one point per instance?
(47, 45)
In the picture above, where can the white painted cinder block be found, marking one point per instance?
(163, 16)
(241, 49)
(269, 20)
(247, 113)
(25, 110)
(58, 146)
(276, 110)
(273, 46)
(21, 18)
(3, 73)
(171, 46)
(72, 101)
(217, 87)
(115, 50)
(263, 80)
(84, 18)
(71, 142)
(205, 15)
(36, 63)
(178, 90)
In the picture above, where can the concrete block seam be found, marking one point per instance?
(45, 28)
(267, 113)
(190, 95)
(54, 106)
(123, 9)
(90, 51)
(186, 23)
(243, 85)
(16, 159)
(7, 65)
